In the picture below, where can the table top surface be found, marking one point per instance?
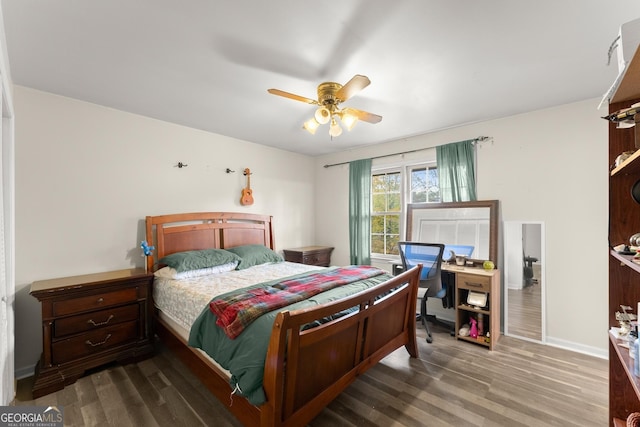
(309, 249)
(74, 281)
(459, 268)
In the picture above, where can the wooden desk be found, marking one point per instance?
(478, 280)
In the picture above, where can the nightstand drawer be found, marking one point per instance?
(93, 342)
(310, 255)
(317, 258)
(474, 282)
(92, 302)
(94, 320)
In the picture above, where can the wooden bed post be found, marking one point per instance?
(149, 259)
(273, 380)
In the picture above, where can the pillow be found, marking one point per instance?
(195, 260)
(171, 273)
(251, 255)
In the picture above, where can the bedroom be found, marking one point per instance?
(86, 175)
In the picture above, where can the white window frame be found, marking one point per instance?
(382, 170)
(408, 168)
(405, 195)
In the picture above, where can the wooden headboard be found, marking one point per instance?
(206, 230)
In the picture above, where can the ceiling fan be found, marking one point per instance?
(330, 96)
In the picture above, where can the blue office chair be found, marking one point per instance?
(430, 256)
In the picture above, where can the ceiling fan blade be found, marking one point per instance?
(292, 96)
(363, 115)
(353, 86)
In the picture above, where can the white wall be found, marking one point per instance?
(549, 166)
(86, 177)
(532, 240)
(7, 197)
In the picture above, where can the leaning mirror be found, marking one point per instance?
(457, 223)
(524, 273)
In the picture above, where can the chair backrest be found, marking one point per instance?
(430, 256)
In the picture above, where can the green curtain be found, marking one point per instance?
(360, 212)
(456, 171)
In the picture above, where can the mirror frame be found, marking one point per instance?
(494, 222)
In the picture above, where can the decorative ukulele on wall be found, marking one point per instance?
(247, 194)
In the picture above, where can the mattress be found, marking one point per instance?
(182, 301)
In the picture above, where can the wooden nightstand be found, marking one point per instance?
(311, 255)
(91, 320)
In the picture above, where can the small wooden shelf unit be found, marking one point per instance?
(485, 281)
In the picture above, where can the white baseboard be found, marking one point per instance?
(517, 286)
(25, 372)
(573, 346)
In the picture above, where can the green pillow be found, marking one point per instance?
(251, 255)
(195, 260)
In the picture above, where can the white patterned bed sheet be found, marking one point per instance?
(183, 300)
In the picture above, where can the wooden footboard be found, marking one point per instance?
(306, 370)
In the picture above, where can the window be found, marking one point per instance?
(388, 208)
(423, 182)
(386, 200)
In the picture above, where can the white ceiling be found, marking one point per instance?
(207, 64)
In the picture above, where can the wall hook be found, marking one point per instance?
(230, 171)
(181, 165)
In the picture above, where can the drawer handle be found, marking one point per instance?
(88, 342)
(472, 284)
(91, 321)
(100, 300)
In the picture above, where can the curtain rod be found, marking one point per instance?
(475, 140)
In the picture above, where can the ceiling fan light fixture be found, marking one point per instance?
(335, 129)
(330, 96)
(311, 126)
(349, 120)
(323, 115)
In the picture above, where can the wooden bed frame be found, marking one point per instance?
(304, 370)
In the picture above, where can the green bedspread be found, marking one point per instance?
(244, 356)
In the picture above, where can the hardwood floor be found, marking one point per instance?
(525, 312)
(524, 309)
(452, 383)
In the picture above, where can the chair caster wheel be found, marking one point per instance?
(429, 340)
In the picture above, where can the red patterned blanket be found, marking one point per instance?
(236, 310)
